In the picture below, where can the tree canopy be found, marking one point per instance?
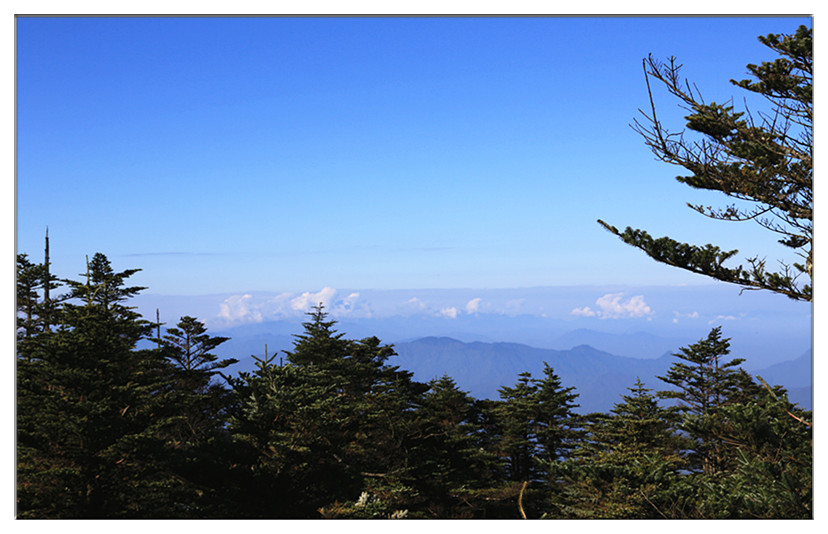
(108, 429)
(763, 161)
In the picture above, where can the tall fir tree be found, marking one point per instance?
(198, 431)
(537, 427)
(558, 427)
(29, 281)
(704, 381)
(35, 303)
(628, 465)
(453, 466)
(334, 422)
(516, 414)
(187, 347)
(93, 411)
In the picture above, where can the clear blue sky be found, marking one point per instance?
(290, 154)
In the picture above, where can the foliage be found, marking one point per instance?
(109, 430)
(751, 446)
(705, 383)
(93, 412)
(537, 424)
(333, 422)
(763, 162)
(453, 464)
(628, 466)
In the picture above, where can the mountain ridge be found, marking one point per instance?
(481, 367)
(600, 378)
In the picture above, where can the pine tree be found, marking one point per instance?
(628, 465)
(751, 450)
(198, 430)
(334, 422)
(765, 165)
(705, 382)
(771, 475)
(286, 453)
(536, 427)
(538, 424)
(34, 313)
(557, 425)
(187, 347)
(453, 466)
(93, 412)
(516, 414)
(29, 282)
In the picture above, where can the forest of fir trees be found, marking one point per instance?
(118, 416)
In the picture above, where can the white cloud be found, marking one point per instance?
(238, 308)
(586, 311)
(513, 307)
(612, 306)
(247, 308)
(679, 315)
(473, 306)
(306, 300)
(411, 306)
(723, 318)
(451, 312)
(352, 306)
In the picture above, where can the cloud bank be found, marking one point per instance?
(612, 306)
(473, 306)
(247, 308)
(308, 300)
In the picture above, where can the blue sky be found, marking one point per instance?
(293, 154)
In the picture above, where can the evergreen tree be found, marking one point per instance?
(29, 320)
(516, 414)
(537, 427)
(187, 347)
(93, 412)
(34, 312)
(557, 426)
(771, 476)
(628, 465)
(765, 165)
(29, 280)
(334, 422)
(705, 383)
(538, 424)
(453, 466)
(286, 448)
(198, 430)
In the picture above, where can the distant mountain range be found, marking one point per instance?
(638, 322)
(632, 345)
(481, 368)
(599, 378)
(598, 339)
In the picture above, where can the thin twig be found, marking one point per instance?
(520, 499)
(651, 504)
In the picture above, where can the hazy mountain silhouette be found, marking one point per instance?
(633, 345)
(482, 368)
(599, 378)
(599, 375)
